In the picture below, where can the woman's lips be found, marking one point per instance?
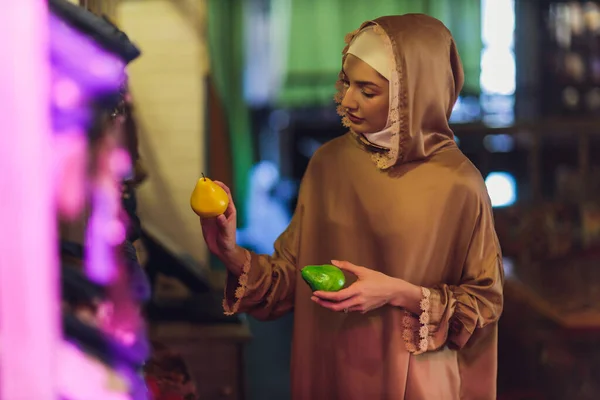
(354, 118)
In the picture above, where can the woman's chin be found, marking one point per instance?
(360, 128)
(363, 130)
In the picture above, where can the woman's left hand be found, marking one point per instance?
(372, 290)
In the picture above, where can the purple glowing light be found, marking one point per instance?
(83, 71)
(100, 263)
(79, 57)
(105, 229)
(120, 163)
(66, 93)
(115, 232)
(40, 174)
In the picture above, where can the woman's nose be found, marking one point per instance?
(348, 100)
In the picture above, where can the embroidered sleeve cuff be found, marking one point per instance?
(235, 289)
(416, 331)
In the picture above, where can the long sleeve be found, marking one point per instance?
(451, 314)
(266, 287)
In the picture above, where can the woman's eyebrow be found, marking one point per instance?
(362, 83)
(367, 83)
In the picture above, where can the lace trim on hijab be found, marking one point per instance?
(398, 115)
(416, 336)
(240, 291)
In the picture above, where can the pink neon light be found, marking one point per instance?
(82, 377)
(29, 307)
(105, 228)
(70, 163)
(66, 93)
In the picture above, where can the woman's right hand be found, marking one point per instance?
(220, 232)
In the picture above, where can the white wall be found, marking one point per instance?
(167, 83)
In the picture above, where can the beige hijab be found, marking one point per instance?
(425, 82)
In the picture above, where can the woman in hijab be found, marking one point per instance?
(406, 216)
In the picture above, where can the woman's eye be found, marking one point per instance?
(346, 84)
(368, 95)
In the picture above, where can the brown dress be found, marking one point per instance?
(419, 212)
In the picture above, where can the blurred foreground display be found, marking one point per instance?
(71, 290)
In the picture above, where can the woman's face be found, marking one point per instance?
(366, 98)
